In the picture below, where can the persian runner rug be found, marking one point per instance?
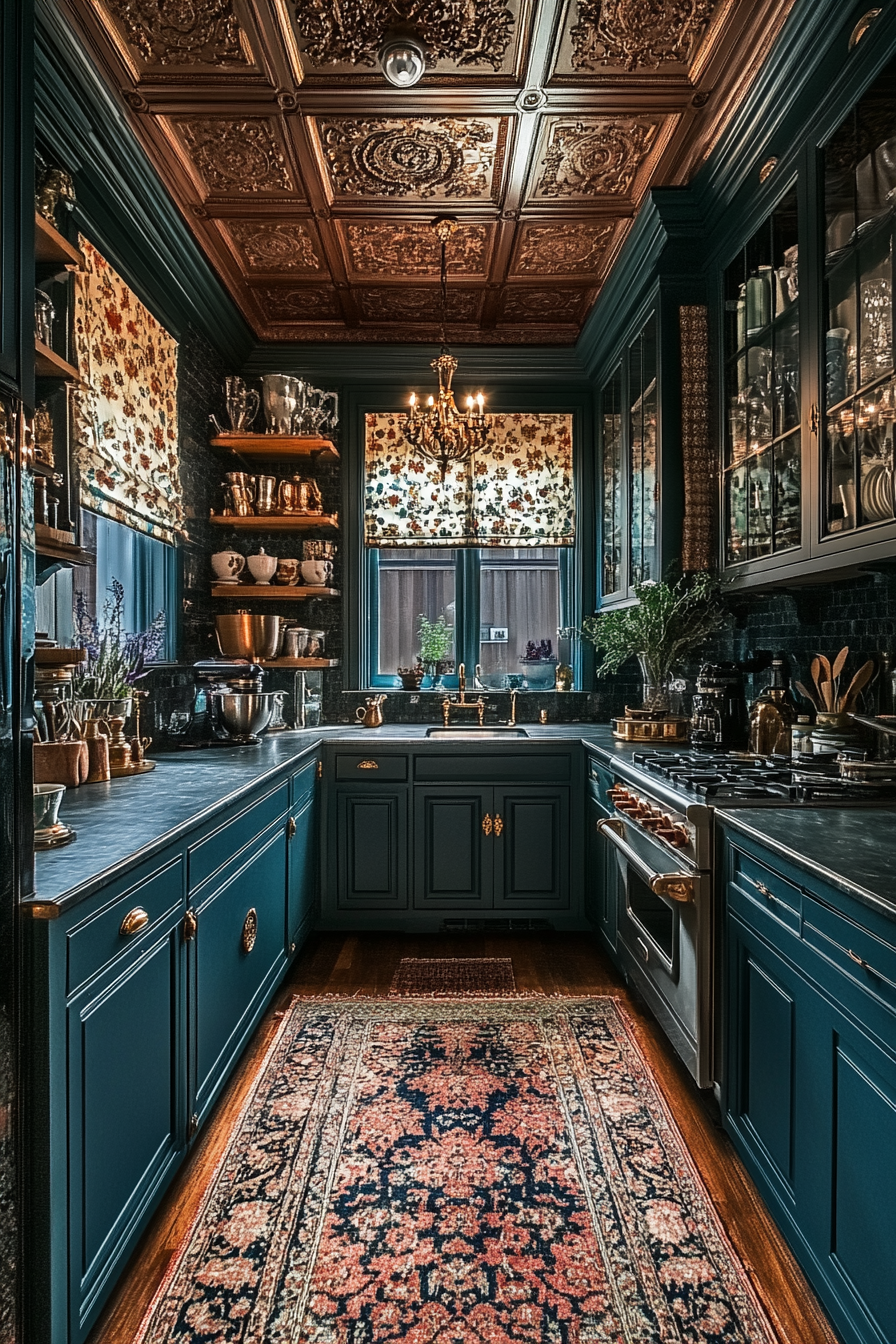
(468, 1172)
(452, 976)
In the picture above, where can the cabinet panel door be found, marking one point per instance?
(301, 892)
(229, 979)
(532, 848)
(767, 1064)
(454, 847)
(127, 1107)
(371, 848)
(601, 879)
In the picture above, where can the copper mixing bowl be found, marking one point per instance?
(246, 636)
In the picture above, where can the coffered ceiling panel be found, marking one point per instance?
(437, 159)
(311, 183)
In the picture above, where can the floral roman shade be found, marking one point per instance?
(127, 449)
(517, 491)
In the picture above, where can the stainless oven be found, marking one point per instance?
(664, 936)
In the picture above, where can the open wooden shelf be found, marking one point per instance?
(50, 247)
(54, 544)
(271, 592)
(47, 364)
(308, 664)
(275, 445)
(277, 522)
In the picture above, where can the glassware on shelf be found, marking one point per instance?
(877, 328)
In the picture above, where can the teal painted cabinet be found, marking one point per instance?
(143, 998)
(601, 867)
(532, 841)
(371, 843)
(125, 1065)
(809, 1094)
(454, 847)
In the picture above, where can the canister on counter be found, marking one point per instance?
(801, 738)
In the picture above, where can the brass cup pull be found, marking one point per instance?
(499, 824)
(368, 765)
(133, 922)
(250, 930)
(487, 824)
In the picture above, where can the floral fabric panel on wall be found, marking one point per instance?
(127, 447)
(517, 491)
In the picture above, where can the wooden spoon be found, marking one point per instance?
(813, 699)
(815, 670)
(826, 667)
(856, 686)
(840, 660)
(827, 694)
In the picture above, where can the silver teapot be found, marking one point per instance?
(283, 398)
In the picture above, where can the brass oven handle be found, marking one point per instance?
(499, 824)
(676, 886)
(133, 922)
(487, 824)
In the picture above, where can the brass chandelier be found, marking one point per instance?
(438, 431)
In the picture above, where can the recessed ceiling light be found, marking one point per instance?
(402, 61)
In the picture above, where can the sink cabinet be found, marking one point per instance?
(809, 1093)
(418, 836)
(143, 997)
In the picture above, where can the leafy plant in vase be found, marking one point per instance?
(436, 639)
(116, 659)
(670, 621)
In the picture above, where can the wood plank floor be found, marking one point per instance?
(547, 963)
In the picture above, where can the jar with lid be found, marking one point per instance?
(801, 737)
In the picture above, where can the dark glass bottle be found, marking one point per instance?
(772, 713)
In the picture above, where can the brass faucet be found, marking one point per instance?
(462, 702)
(511, 722)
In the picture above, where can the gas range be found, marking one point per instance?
(735, 779)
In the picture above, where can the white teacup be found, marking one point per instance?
(228, 566)
(314, 572)
(262, 567)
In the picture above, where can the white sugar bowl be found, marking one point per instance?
(262, 567)
(228, 566)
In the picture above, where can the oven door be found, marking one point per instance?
(664, 939)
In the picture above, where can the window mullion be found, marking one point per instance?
(467, 608)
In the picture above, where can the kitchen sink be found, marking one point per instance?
(477, 734)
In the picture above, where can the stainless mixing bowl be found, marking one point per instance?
(246, 636)
(242, 713)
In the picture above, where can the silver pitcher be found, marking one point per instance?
(282, 397)
(241, 402)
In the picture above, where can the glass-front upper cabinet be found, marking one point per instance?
(859, 166)
(629, 469)
(762, 476)
(642, 471)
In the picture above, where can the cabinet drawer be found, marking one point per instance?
(766, 889)
(372, 768)
(210, 854)
(852, 948)
(100, 938)
(528, 768)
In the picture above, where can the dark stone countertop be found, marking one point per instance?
(123, 822)
(853, 850)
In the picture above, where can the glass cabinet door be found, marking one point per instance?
(762, 466)
(858, 383)
(613, 503)
(642, 476)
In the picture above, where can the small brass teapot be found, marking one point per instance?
(370, 714)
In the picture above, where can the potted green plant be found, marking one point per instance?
(669, 622)
(436, 638)
(116, 659)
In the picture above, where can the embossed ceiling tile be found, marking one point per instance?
(542, 305)
(157, 33)
(574, 248)
(417, 158)
(307, 304)
(587, 157)
(411, 248)
(394, 304)
(236, 156)
(273, 246)
(475, 36)
(600, 36)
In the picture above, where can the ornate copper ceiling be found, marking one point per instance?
(311, 183)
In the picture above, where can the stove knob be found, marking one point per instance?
(677, 836)
(617, 793)
(654, 822)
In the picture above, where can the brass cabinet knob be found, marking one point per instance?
(291, 828)
(133, 922)
(487, 824)
(250, 930)
(499, 823)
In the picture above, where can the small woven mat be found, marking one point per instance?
(447, 977)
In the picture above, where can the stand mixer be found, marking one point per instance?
(229, 706)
